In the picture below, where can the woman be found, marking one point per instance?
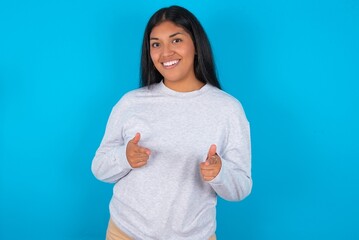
(177, 142)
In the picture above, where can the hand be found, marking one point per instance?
(211, 167)
(137, 156)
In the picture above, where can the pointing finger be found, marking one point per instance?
(144, 150)
(137, 138)
(212, 150)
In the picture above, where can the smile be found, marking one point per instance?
(170, 63)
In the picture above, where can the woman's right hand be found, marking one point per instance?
(137, 156)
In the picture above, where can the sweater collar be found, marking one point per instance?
(163, 88)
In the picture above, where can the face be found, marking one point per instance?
(172, 52)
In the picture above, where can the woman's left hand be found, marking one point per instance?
(212, 166)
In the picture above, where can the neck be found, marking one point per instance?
(184, 86)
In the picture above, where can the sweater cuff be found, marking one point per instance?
(220, 178)
(121, 159)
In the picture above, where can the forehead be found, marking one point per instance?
(165, 29)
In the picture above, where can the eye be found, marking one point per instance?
(176, 40)
(155, 45)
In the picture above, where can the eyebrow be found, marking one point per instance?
(170, 36)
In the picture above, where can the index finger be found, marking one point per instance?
(143, 150)
(212, 150)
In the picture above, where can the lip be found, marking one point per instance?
(170, 64)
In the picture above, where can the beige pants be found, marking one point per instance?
(114, 233)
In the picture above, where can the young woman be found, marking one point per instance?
(175, 144)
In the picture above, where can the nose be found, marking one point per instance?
(167, 50)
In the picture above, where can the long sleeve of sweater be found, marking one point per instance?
(234, 181)
(110, 163)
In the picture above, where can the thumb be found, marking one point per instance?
(137, 138)
(212, 150)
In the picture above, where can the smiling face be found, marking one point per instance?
(172, 52)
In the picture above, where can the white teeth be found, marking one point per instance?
(170, 63)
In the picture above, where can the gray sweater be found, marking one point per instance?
(167, 198)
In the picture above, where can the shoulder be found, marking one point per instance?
(224, 100)
(228, 108)
(132, 97)
(136, 93)
(136, 97)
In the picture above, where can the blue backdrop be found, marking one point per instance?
(294, 65)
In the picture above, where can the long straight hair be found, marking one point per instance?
(204, 67)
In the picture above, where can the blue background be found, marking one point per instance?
(294, 65)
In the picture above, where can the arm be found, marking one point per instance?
(110, 163)
(234, 181)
